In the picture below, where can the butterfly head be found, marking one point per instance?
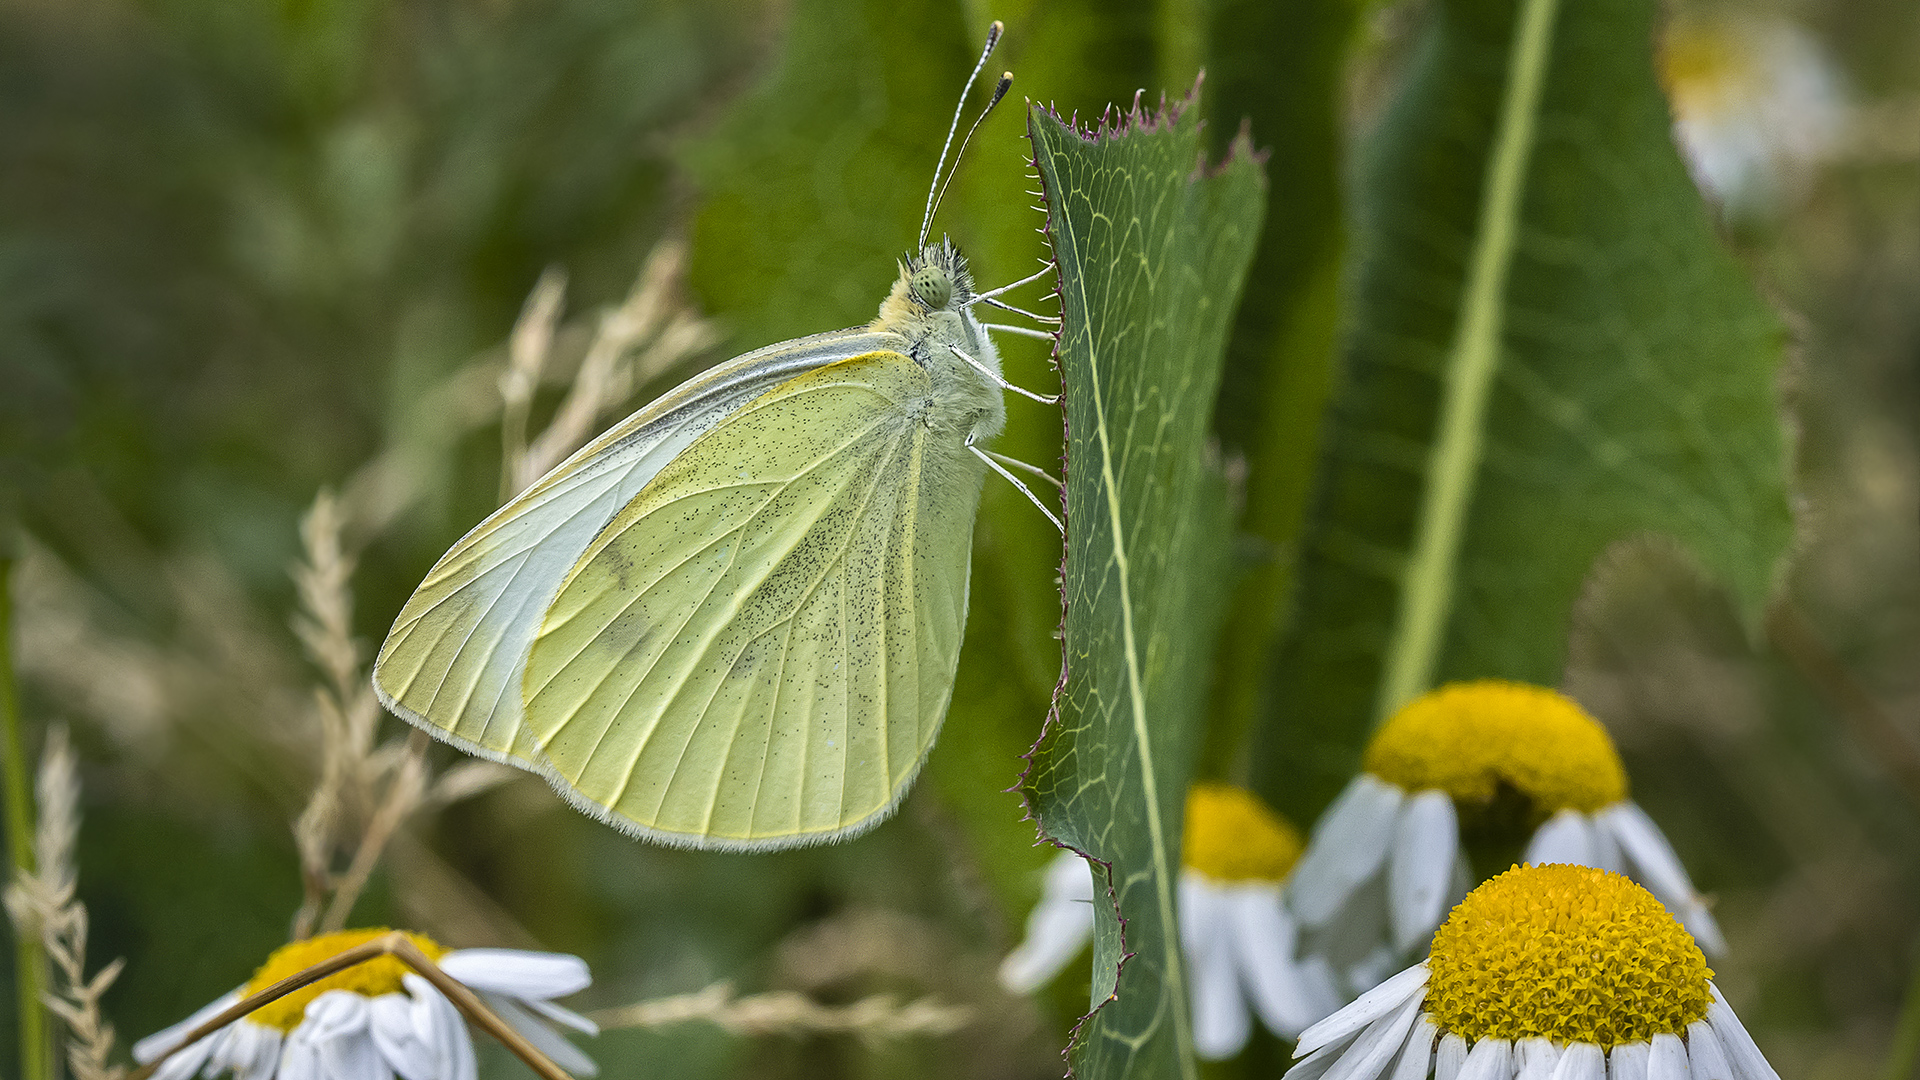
(937, 278)
(934, 287)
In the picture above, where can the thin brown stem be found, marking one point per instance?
(396, 945)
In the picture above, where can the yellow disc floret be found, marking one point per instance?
(1466, 738)
(1567, 953)
(1232, 836)
(380, 975)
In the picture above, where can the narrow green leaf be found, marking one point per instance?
(1549, 351)
(1152, 250)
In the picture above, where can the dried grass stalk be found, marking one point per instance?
(872, 1019)
(649, 316)
(44, 903)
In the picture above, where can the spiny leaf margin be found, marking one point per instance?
(1152, 249)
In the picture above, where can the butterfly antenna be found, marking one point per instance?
(999, 91)
(993, 38)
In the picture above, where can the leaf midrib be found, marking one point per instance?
(1472, 360)
(1150, 788)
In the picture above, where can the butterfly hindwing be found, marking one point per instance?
(454, 659)
(756, 651)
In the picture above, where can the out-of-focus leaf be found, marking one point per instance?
(1273, 393)
(1548, 351)
(1152, 249)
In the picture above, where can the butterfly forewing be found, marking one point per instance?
(454, 660)
(756, 651)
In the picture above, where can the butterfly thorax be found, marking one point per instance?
(931, 306)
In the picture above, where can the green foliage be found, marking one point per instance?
(1152, 254)
(242, 247)
(1549, 352)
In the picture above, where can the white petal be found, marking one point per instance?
(1317, 982)
(1377, 1046)
(187, 1062)
(1701, 924)
(1220, 1021)
(1747, 1060)
(1059, 926)
(155, 1044)
(409, 1050)
(1490, 1059)
(1449, 1057)
(1417, 1057)
(1372, 1005)
(298, 1058)
(1652, 863)
(1652, 858)
(1535, 1059)
(352, 1056)
(545, 1039)
(1317, 1064)
(564, 1017)
(1349, 843)
(1424, 843)
(1564, 838)
(518, 973)
(1628, 1061)
(1667, 1060)
(443, 1028)
(1287, 999)
(1373, 970)
(333, 1015)
(1708, 1060)
(1581, 1061)
(266, 1056)
(1606, 850)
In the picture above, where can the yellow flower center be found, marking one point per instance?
(1467, 738)
(1232, 836)
(380, 975)
(1567, 953)
(1706, 67)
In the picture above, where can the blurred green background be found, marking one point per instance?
(243, 246)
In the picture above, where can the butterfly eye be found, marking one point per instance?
(931, 287)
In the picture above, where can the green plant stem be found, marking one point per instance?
(1427, 593)
(30, 960)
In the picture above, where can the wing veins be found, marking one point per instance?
(646, 736)
(839, 558)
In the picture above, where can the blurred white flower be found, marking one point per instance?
(1384, 863)
(378, 1019)
(1757, 106)
(1235, 932)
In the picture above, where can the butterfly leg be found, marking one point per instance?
(1024, 467)
(987, 457)
(1043, 335)
(1004, 289)
(994, 377)
(1045, 320)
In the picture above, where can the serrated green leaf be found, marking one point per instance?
(1549, 352)
(1152, 250)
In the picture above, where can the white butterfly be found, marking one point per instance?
(732, 621)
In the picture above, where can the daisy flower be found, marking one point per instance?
(1756, 106)
(1543, 973)
(378, 1018)
(1237, 936)
(1385, 862)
